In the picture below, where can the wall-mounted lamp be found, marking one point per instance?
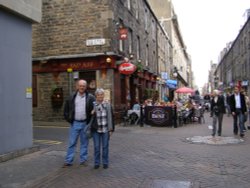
(175, 72)
(131, 56)
(69, 70)
(108, 60)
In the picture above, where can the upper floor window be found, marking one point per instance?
(146, 19)
(129, 4)
(130, 39)
(147, 55)
(153, 30)
(137, 10)
(138, 48)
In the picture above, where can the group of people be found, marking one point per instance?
(237, 104)
(79, 109)
(82, 107)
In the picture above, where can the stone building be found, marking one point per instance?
(89, 39)
(234, 66)
(179, 61)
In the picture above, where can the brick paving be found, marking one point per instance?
(143, 157)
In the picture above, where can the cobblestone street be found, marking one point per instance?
(147, 157)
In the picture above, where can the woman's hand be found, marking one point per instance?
(110, 133)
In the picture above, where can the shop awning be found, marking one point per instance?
(172, 84)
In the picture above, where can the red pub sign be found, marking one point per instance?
(123, 33)
(127, 68)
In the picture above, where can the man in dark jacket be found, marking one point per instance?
(217, 111)
(77, 111)
(238, 109)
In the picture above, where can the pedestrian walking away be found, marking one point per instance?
(246, 115)
(77, 111)
(102, 129)
(228, 103)
(217, 111)
(238, 109)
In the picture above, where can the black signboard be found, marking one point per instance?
(158, 115)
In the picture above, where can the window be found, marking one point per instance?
(121, 45)
(146, 63)
(121, 42)
(129, 4)
(153, 30)
(138, 48)
(146, 19)
(130, 40)
(137, 10)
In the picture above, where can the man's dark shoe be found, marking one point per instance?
(84, 163)
(66, 165)
(105, 166)
(96, 166)
(213, 135)
(242, 135)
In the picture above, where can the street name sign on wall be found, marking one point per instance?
(158, 115)
(95, 42)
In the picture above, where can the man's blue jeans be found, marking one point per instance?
(239, 116)
(76, 130)
(101, 140)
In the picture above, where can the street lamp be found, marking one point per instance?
(175, 72)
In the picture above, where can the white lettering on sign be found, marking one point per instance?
(128, 68)
(158, 116)
(95, 42)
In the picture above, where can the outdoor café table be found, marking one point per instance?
(137, 112)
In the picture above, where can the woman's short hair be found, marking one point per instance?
(99, 91)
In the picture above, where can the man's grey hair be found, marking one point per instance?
(216, 91)
(99, 91)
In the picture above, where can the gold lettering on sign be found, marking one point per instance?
(77, 66)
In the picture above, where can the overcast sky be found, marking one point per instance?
(206, 27)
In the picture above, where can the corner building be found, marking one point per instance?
(81, 39)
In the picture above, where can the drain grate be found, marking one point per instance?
(220, 140)
(170, 184)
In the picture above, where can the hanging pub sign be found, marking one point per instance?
(123, 33)
(127, 68)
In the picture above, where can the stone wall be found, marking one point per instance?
(67, 24)
(46, 82)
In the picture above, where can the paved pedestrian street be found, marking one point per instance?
(144, 157)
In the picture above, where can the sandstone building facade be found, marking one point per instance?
(82, 39)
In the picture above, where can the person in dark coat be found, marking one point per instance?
(217, 111)
(77, 111)
(238, 109)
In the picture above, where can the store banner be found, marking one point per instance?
(171, 84)
(158, 115)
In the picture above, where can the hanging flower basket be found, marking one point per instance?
(57, 97)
